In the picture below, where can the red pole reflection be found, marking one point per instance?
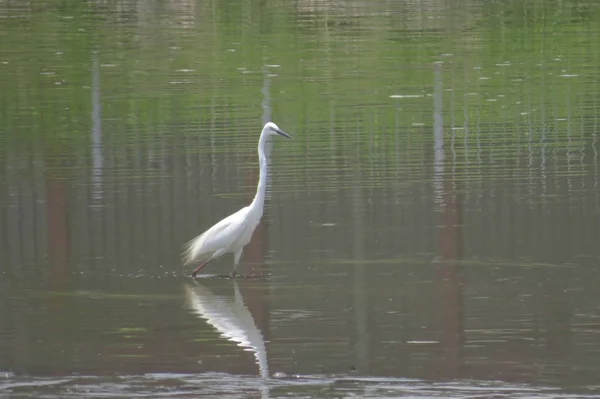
(254, 260)
(57, 223)
(58, 251)
(451, 282)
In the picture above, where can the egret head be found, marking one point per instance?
(271, 129)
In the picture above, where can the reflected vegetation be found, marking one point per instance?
(435, 218)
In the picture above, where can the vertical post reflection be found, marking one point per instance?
(449, 241)
(595, 149)
(57, 220)
(58, 237)
(360, 293)
(96, 130)
(438, 132)
(256, 250)
(544, 140)
(266, 117)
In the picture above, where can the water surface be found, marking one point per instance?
(431, 230)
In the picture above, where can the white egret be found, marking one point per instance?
(234, 232)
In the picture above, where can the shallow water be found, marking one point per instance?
(430, 231)
(229, 386)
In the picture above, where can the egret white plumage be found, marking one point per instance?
(234, 232)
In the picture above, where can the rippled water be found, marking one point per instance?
(228, 386)
(430, 231)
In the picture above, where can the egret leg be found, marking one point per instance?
(196, 270)
(213, 256)
(236, 258)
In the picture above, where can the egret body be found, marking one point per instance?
(234, 232)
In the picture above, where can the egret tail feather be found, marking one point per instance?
(190, 249)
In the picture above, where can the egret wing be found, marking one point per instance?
(219, 236)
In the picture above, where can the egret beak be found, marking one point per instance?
(282, 133)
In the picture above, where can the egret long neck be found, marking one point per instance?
(259, 198)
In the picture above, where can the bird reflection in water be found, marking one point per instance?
(230, 316)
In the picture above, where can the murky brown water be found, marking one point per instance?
(431, 230)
